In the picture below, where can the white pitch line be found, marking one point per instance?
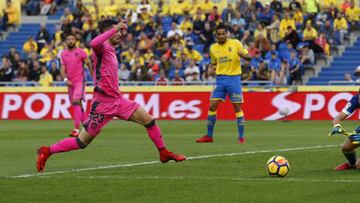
(271, 179)
(156, 162)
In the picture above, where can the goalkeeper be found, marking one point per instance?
(353, 141)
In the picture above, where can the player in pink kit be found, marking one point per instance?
(108, 101)
(72, 70)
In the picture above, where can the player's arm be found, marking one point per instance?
(89, 65)
(97, 42)
(63, 75)
(350, 108)
(243, 53)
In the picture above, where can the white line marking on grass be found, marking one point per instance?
(267, 179)
(156, 162)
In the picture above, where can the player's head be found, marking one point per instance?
(106, 25)
(221, 33)
(70, 40)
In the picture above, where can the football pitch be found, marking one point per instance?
(121, 165)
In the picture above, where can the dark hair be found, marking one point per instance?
(221, 26)
(105, 24)
(69, 34)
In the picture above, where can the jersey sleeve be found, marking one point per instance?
(212, 56)
(83, 54)
(352, 105)
(241, 48)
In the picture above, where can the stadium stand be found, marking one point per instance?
(163, 38)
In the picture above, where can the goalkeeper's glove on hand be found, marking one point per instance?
(336, 129)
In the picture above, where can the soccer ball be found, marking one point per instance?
(278, 166)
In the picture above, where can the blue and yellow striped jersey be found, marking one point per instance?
(226, 57)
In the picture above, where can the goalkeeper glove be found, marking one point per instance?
(337, 129)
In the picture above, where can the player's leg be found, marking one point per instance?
(348, 149)
(92, 127)
(239, 121)
(234, 91)
(145, 119)
(76, 97)
(218, 95)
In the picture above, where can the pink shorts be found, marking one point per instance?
(77, 91)
(102, 112)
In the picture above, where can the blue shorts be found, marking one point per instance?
(228, 85)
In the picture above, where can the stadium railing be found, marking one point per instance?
(339, 82)
(137, 83)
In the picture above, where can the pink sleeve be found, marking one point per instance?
(97, 43)
(83, 54)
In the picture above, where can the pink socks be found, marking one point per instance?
(65, 145)
(77, 114)
(155, 135)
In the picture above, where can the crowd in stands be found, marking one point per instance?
(171, 42)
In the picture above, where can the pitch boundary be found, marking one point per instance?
(29, 175)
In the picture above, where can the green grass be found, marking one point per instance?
(239, 178)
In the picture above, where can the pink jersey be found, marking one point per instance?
(73, 61)
(105, 66)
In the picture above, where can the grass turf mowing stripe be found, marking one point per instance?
(210, 178)
(156, 162)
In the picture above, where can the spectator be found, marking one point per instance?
(10, 15)
(255, 61)
(285, 23)
(328, 30)
(253, 49)
(32, 7)
(273, 50)
(162, 80)
(276, 6)
(35, 72)
(307, 56)
(192, 72)
(294, 69)
(206, 7)
(263, 44)
(11, 54)
(54, 71)
(45, 78)
(260, 31)
(340, 25)
(346, 5)
(273, 29)
(68, 16)
(242, 6)
(174, 30)
(228, 14)
(256, 6)
(177, 80)
(6, 71)
(42, 36)
(186, 24)
(310, 6)
(214, 16)
(298, 18)
(237, 25)
(332, 12)
(247, 73)
(153, 68)
(292, 37)
(47, 7)
(208, 76)
(322, 42)
(207, 37)
(275, 68)
(23, 72)
(262, 72)
(124, 73)
(295, 4)
(348, 77)
(353, 14)
(325, 4)
(310, 34)
(30, 46)
(198, 23)
(191, 53)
